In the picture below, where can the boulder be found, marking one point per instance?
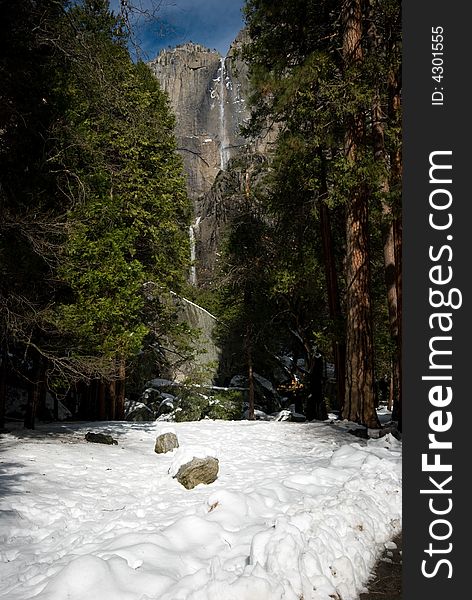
(198, 470)
(137, 411)
(100, 438)
(166, 442)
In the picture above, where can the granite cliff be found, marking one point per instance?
(209, 94)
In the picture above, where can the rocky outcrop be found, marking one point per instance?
(206, 351)
(219, 206)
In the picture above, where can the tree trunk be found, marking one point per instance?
(334, 303)
(32, 406)
(3, 389)
(34, 393)
(120, 396)
(102, 409)
(392, 234)
(112, 400)
(250, 373)
(397, 406)
(43, 412)
(316, 406)
(359, 403)
(359, 393)
(388, 45)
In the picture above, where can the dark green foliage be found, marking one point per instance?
(304, 85)
(129, 215)
(226, 405)
(194, 404)
(93, 235)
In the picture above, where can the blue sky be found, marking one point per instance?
(213, 23)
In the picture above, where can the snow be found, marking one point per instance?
(298, 510)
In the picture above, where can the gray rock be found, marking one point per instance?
(141, 414)
(166, 442)
(100, 438)
(198, 470)
(166, 406)
(137, 411)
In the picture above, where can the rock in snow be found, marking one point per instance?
(100, 438)
(198, 470)
(166, 442)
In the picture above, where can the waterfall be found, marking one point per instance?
(193, 268)
(224, 143)
(193, 271)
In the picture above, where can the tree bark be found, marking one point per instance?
(392, 231)
(102, 408)
(387, 44)
(250, 372)
(359, 393)
(397, 405)
(3, 389)
(34, 393)
(120, 396)
(334, 303)
(112, 400)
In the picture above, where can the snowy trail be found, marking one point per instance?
(298, 510)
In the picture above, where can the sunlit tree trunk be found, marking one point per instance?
(359, 403)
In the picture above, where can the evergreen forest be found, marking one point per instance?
(95, 217)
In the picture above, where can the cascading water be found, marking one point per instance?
(193, 269)
(224, 143)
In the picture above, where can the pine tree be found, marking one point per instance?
(323, 96)
(130, 216)
(102, 210)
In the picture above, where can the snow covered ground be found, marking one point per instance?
(299, 511)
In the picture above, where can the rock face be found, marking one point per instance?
(209, 96)
(198, 470)
(207, 352)
(166, 443)
(207, 93)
